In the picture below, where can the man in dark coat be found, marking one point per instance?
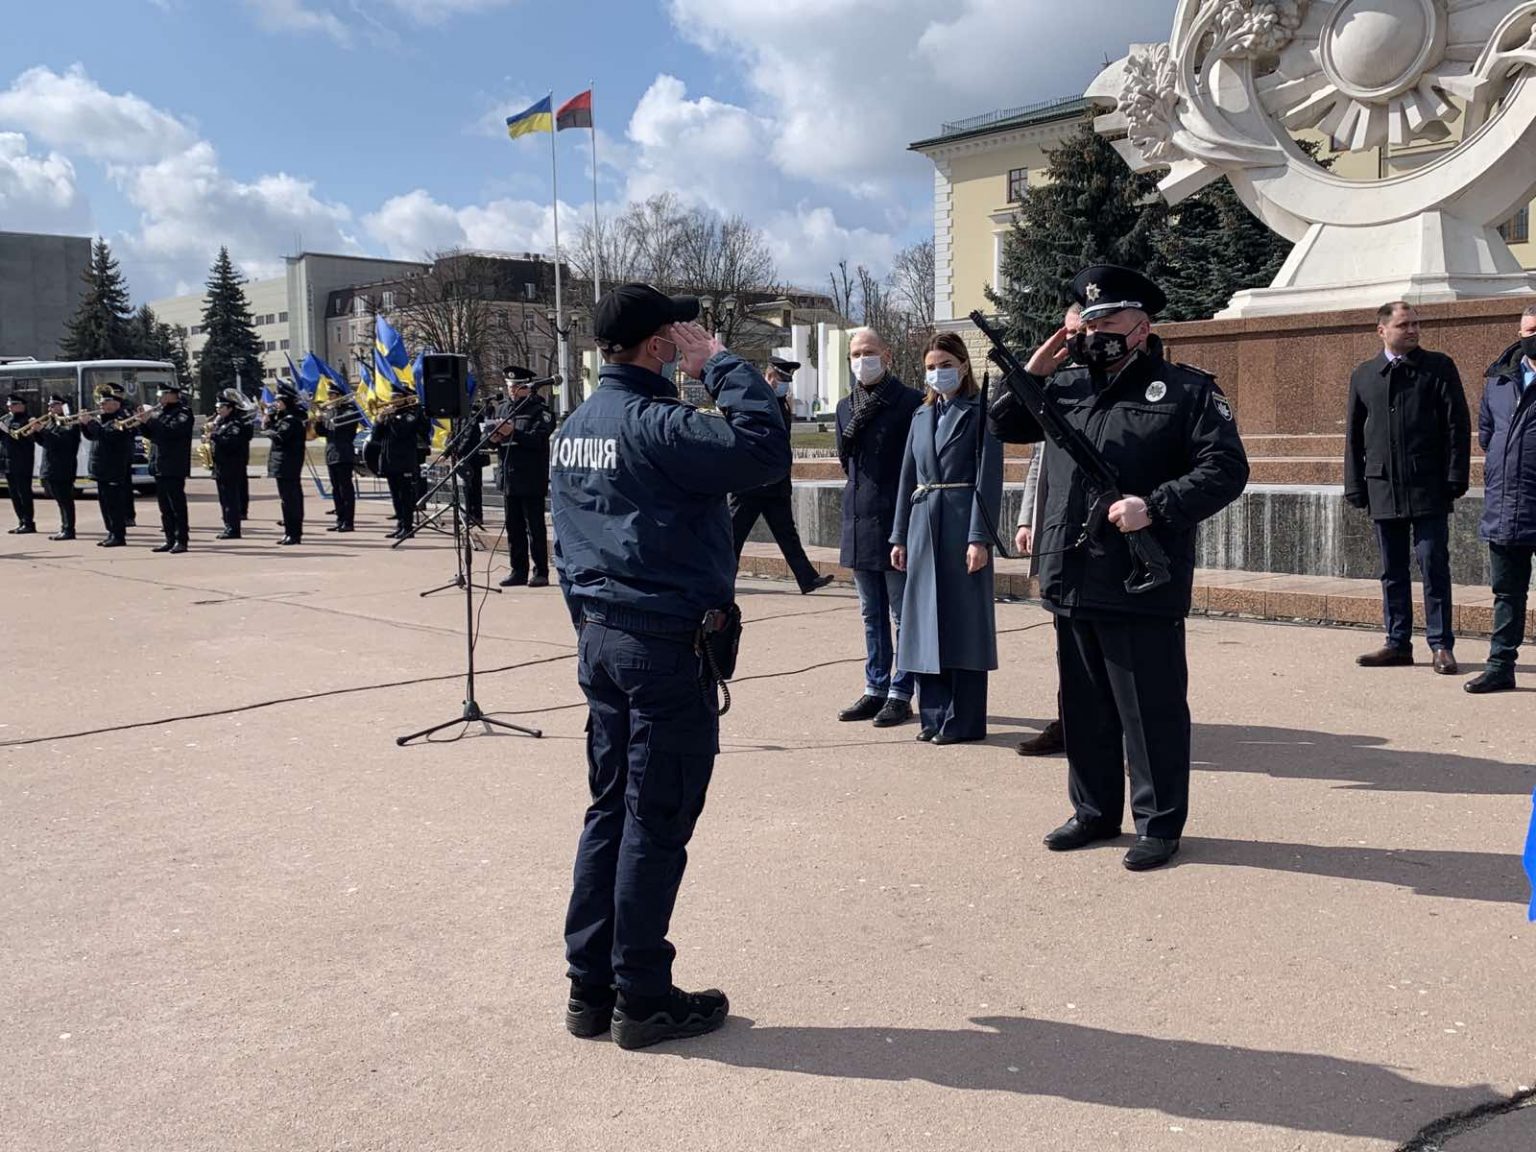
(1167, 433)
(1506, 429)
(401, 436)
(872, 425)
(111, 466)
(287, 426)
(776, 502)
(339, 427)
(61, 464)
(169, 431)
(522, 434)
(20, 461)
(229, 439)
(1407, 460)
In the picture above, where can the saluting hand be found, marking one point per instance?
(1049, 356)
(1130, 514)
(694, 347)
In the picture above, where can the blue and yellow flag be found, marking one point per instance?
(537, 118)
(1530, 857)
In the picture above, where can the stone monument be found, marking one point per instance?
(1222, 97)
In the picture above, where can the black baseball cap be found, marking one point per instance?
(630, 313)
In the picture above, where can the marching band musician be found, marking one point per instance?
(20, 455)
(61, 463)
(229, 436)
(402, 433)
(170, 432)
(286, 425)
(339, 428)
(526, 424)
(110, 465)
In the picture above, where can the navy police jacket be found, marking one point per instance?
(638, 481)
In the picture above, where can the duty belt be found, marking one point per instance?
(922, 490)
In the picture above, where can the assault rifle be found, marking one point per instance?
(1149, 563)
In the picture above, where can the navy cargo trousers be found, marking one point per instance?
(651, 741)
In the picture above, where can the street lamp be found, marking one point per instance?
(562, 343)
(715, 319)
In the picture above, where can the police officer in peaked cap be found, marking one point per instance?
(1168, 434)
(643, 548)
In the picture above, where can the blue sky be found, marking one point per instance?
(172, 126)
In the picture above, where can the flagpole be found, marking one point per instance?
(554, 185)
(597, 228)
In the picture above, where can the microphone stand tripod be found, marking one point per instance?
(465, 560)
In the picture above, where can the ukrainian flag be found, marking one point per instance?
(537, 118)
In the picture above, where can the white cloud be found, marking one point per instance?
(414, 224)
(807, 244)
(708, 152)
(436, 11)
(295, 16)
(38, 193)
(71, 111)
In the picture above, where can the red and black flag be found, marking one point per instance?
(575, 112)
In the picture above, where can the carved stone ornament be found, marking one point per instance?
(1223, 96)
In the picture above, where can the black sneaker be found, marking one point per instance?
(864, 708)
(538, 580)
(515, 580)
(893, 713)
(589, 1011)
(640, 1021)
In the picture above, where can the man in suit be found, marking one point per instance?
(1407, 460)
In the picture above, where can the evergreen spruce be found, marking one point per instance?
(1213, 247)
(100, 329)
(232, 346)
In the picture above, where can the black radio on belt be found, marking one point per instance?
(720, 641)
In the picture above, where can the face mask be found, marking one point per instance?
(1528, 346)
(868, 369)
(781, 390)
(668, 369)
(944, 381)
(1101, 349)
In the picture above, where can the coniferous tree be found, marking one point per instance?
(232, 347)
(1092, 210)
(172, 340)
(143, 333)
(100, 328)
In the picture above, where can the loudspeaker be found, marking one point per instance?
(445, 385)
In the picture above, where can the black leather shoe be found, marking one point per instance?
(1445, 663)
(1047, 742)
(1491, 680)
(816, 584)
(589, 1011)
(1386, 657)
(25, 530)
(1075, 834)
(114, 542)
(227, 534)
(538, 580)
(289, 541)
(893, 713)
(1149, 852)
(177, 548)
(946, 738)
(334, 528)
(514, 580)
(166, 547)
(927, 734)
(864, 708)
(62, 536)
(343, 527)
(639, 1022)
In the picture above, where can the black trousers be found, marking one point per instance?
(241, 482)
(1125, 699)
(62, 493)
(20, 487)
(171, 494)
(112, 497)
(291, 494)
(953, 702)
(1430, 540)
(1510, 567)
(775, 503)
(525, 532)
(472, 478)
(651, 744)
(402, 493)
(230, 509)
(343, 493)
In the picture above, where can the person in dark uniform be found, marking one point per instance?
(286, 427)
(1407, 460)
(522, 435)
(61, 464)
(111, 465)
(644, 552)
(20, 462)
(466, 435)
(169, 431)
(401, 434)
(339, 427)
(1167, 432)
(229, 436)
(776, 502)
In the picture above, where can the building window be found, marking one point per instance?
(282, 345)
(1517, 229)
(282, 317)
(359, 306)
(530, 291)
(389, 301)
(197, 329)
(1018, 185)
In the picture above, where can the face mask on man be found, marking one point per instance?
(1098, 349)
(1528, 346)
(944, 381)
(868, 369)
(668, 369)
(781, 388)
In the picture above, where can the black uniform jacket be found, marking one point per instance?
(340, 439)
(231, 444)
(287, 432)
(111, 448)
(525, 454)
(1408, 448)
(61, 453)
(19, 455)
(401, 438)
(1168, 434)
(170, 431)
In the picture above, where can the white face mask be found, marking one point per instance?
(868, 369)
(944, 381)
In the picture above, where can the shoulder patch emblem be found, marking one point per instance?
(1222, 406)
(1156, 391)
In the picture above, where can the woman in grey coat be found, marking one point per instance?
(947, 506)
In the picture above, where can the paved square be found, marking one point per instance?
(230, 923)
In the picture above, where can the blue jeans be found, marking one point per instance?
(1431, 543)
(880, 603)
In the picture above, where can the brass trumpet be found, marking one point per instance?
(136, 419)
(76, 417)
(36, 424)
(398, 405)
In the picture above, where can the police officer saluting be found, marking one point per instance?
(61, 463)
(1167, 433)
(170, 431)
(644, 551)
